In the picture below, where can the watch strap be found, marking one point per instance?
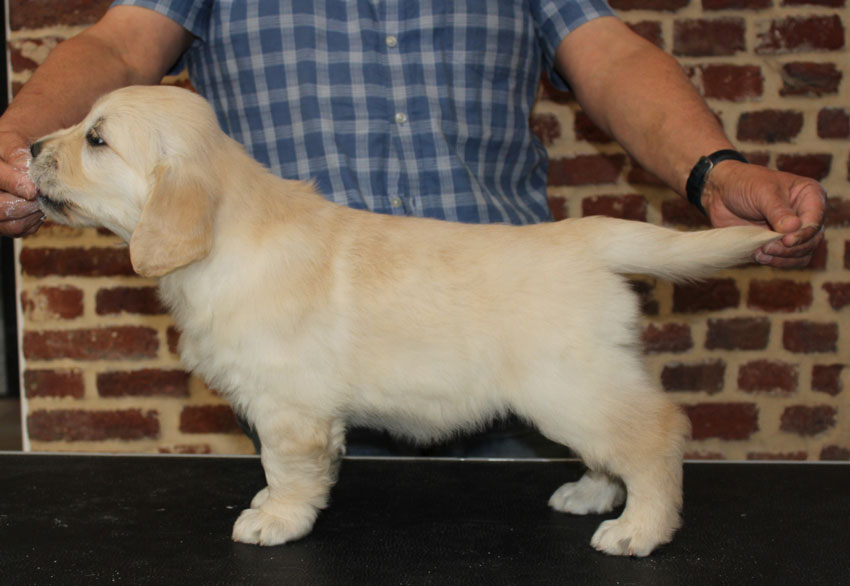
(699, 174)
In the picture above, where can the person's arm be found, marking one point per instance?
(640, 96)
(128, 46)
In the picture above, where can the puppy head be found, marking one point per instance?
(140, 164)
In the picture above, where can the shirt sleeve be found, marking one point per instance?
(192, 15)
(556, 19)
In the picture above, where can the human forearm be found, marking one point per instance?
(641, 97)
(58, 95)
(127, 46)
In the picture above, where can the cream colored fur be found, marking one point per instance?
(309, 316)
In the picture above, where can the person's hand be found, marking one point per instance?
(19, 213)
(738, 193)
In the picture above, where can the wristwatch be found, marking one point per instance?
(699, 174)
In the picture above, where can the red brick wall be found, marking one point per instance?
(758, 358)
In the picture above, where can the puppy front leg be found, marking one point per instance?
(300, 457)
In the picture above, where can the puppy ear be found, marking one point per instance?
(176, 224)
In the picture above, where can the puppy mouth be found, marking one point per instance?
(51, 206)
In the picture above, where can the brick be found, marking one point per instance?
(586, 169)
(628, 207)
(778, 456)
(709, 38)
(173, 339)
(727, 421)
(74, 425)
(838, 293)
(708, 295)
(48, 13)
(837, 212)
(806, 420)
(79, 262)
(816, 166)
(826, 378)
(736, 4)
(740, 333)
(49, 303)
(835, 454)
(768, 376)
(558, 207)
(208, 419)
(546, 127)
(650, 30)
(639, 175)
(681, 213)
(645, 291)
(54, 383)
(809, 79)
(758, 158)
(818, 261)
(734, 83)
(808, 337)
(28, 54)
(847, 254)
(143, 383)
(704, 376)
(586, 129)
(797, 34)
(657, 5)
(779, 295)
(135, 300)
(770, 126)
(834, 123)
(548, 91)
(671, 337)
(116, 343)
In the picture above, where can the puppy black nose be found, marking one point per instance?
(35, 149)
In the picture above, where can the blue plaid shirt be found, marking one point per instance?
(399, 107)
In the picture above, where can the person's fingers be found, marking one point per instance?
(778, 255)
(13, 207)
(780, 262)
(802, 248)
(809, 202)
(779, 214)
(21, 226)
(14, 162)
(18, 216)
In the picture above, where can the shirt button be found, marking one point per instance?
(391, 41)
(396, 202)
(401, 118)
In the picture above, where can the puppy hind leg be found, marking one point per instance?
(650, 464)
(639, 442)
(300, 457)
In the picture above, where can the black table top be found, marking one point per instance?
(69, 520)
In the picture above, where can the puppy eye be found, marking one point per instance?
(94, 139)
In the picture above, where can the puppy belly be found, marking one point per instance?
(424, 422)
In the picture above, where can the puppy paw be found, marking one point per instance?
(620, 537)
(593, 493)
(261, 527)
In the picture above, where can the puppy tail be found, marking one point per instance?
(638, 247)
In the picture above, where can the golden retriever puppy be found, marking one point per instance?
(309, 316)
